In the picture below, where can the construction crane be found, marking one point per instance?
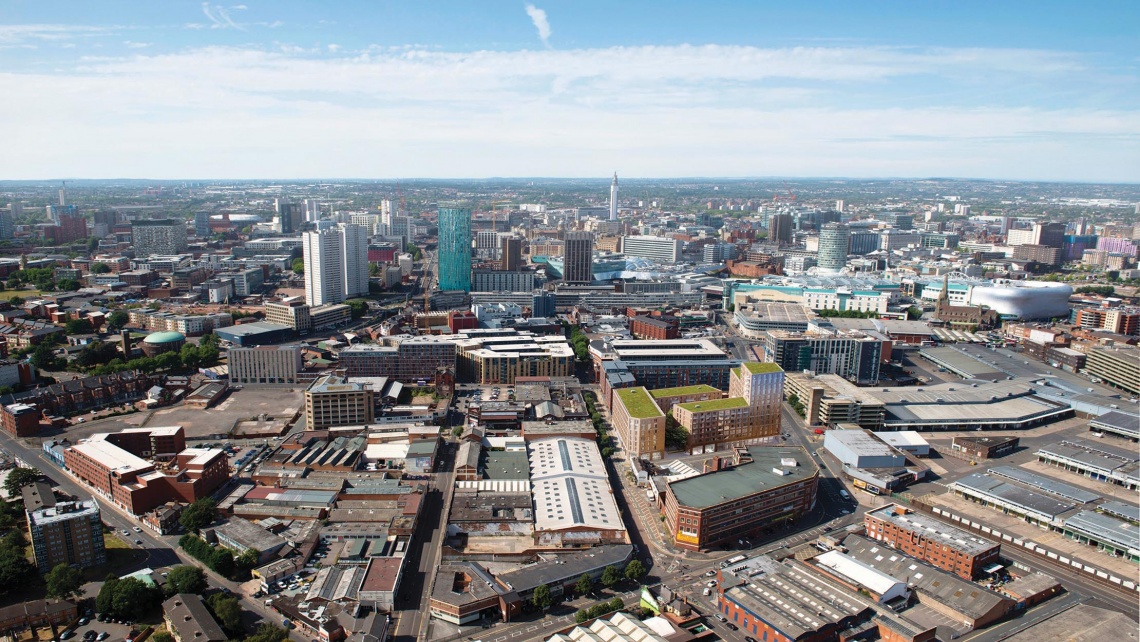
(790, 197)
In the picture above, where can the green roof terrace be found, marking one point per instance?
(681, 391)
(728, 403)
(759, 367)
(638, 403)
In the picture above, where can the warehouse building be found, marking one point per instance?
(1116, 537)
(1097, 461)
(1121, 424)
(1004, 405)
(984, 447)
(573, 503)
(255, 334)
(1035, 508)
(947, 547)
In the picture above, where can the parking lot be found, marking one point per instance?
(90, 629)
(926, 616)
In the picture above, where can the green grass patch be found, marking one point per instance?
(758, 367)
(638, 403)
(715, 404)
(683, 390)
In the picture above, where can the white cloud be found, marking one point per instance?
(541, 24)
(653, 111)
(334, 48)
(15, 34)
(219, 17)
(239, 7)
(137, 45)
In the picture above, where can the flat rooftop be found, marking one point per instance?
(996, 489)
(1105, 528)
(638, 403)
(1080, 623)
(1118, 422)
(713, 405)
(63, 511)
(758, 367)
(1051, 486)
(933, 529)
(797, 602)
(683, 390)
(725, 485)
(113, 457)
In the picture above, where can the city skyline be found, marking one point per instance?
(212, 91)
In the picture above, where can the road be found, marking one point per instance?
(415, 588)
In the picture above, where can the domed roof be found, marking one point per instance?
(164, 337)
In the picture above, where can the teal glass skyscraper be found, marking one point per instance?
(454, 249)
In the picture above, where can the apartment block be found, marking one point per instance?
(67, 533)
(404, 358)
(265, 365)
(500, 356)
(666, 398)
(716, 422)
(762, 386)
(948, 547)
(639, 422)
(331, 401)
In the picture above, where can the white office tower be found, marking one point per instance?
(840, 206)
(354, 241)
(613, 198)
(386, 212)
(312, 209)
(324, 267)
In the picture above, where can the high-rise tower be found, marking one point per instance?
(613, 198)
(834, 242)
(578, 258)
(454, 249)
(324, 267)
(354, 244)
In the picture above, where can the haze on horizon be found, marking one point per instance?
(291, 90)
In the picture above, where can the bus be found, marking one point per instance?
(733, 560)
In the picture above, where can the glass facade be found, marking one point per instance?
(454, 249)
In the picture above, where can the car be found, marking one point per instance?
(126, 532)
(721, 617)
(711, 583)
(731, 625)
(83, 621)
(103, 636)
(138, 542)
(748, 639)
(710, 574)
(827, 529)
(844, 512)
(89, 635)
(137, 529)
(66, 635)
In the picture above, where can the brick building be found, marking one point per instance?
(659, 328)
(947, 547)
(740, 497)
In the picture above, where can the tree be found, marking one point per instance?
(635, 570)
(67, 285)
(162, 636)
(79, 326)
(584, 585)
(542, 597)
(20, 477)
(92, 244)
(610, 576)
(249, 558)
(118, 319)
(64, 582)
(223, 561)
(298, 266)
(100, 268)
(104, 602)
(44, 357)
(359, 307)
(96, 353)
(269, 633)
(914, 313)
(14, 567)
(133, 598)
(186, 578)
(199, 515)
(227, 611)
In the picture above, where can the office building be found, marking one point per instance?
(510, 254)
(852, 355)
(201, 225)
(1118, 367)
(898, 220)
(403, 358)
(324, 267)
(290, 216)
(500, 356)
(834, 242)
(454, 249)
(265, 365)
(739, 497)
(718, 252)
(292, 312)
(863, 242)
(781, 229)
(947, 547)
(66, 533)
(1042, 254)
(639, 422)
(137, 485)
(7, 223)
(332, 401)
(656, 248)
(158, 236)
(578, 264)
(329, 316)
(501, 281)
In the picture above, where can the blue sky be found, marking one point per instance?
(283, 89)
